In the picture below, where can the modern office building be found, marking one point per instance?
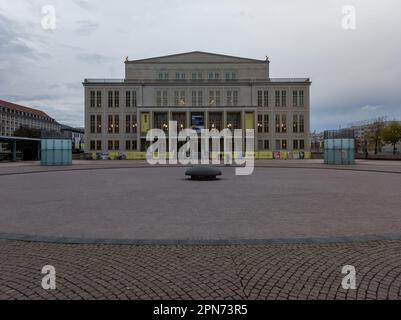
(197, 89)
(13, 116)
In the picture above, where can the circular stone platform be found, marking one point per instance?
(150, 204)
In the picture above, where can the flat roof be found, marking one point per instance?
(18, 138)
(270, 80)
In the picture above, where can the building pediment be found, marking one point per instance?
(197, 57)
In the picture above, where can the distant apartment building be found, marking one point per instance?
(197, 90)
(13, 116)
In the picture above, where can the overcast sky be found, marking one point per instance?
(355, 73)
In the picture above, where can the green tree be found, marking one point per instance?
(27, 132)
(392, 134)
(374, 134)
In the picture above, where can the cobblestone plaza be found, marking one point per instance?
(270, 246)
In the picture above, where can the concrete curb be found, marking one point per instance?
(201, 242)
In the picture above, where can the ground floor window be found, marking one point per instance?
(281, 144)
(130, 145)
(299, 144)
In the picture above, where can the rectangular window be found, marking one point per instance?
(260, 123)
(183, 98)
(200, 98)
(194, 76)
(301, 98)
(127, 123)
(99, 99)
(235, 97)
(165, 98)
(134, 145)
(176, 98)
(266, 98)
(302, 144)
(93, 124)
(116, 124)
(128, 99)
(283, 123)
(110, 124)
(260, 97)
(134, 99)
(266, 123)
(277, 123)
(159, 98)
(99, 124)
(92, 145)
(110, 99)
(128, 145)
(229, 98)
(295, 145)
(301, 123)
(194, 98)
(295, 98)
(283, 98)
(216, 76)
(266, 145)
(99, 145)
(116, 145)
(212, 101)
(295, 123)
(92, 99)
(110, 145)
(116, 99)
(211, 76)
(277, 100)
(284, 144)
(134, 123)
(218, 100)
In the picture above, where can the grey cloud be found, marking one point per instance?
(86, 26)
(12, 41)
(30, 98)
(354, 73)
(85, 4)
(92, 58)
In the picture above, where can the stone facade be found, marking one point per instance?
(196, 88)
